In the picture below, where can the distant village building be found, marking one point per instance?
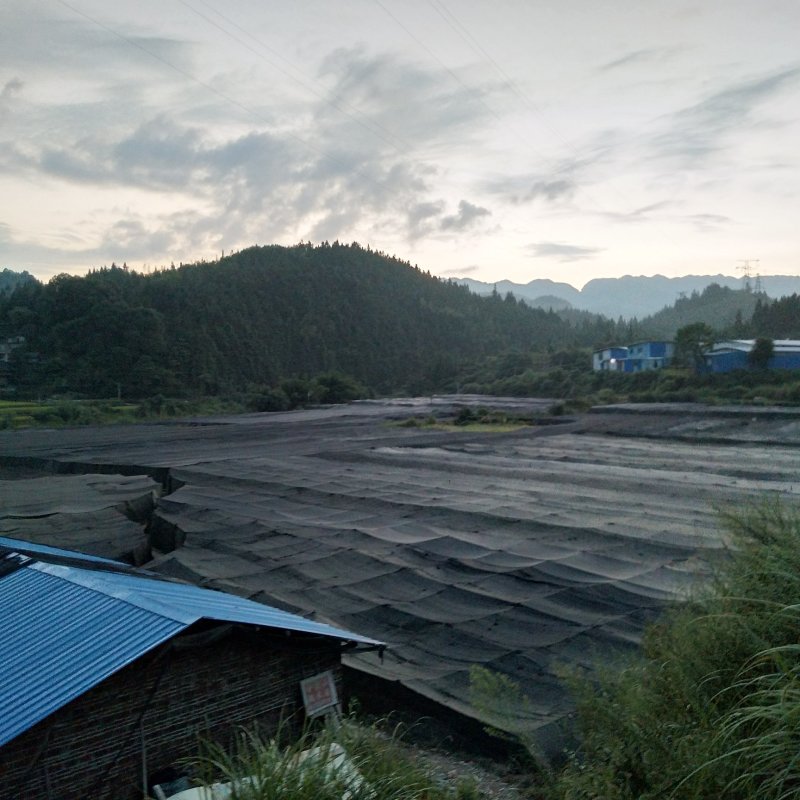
(734, 354)
(110, 675)
(723, 356)
(610, 359)
(637, 357)
(649, 355)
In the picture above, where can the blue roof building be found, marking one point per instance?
(734, 354)
(636, 357)
(81, 639)
(609, 359)
(644, 356)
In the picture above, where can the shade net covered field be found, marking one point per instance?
(98, 514)
(555, 543)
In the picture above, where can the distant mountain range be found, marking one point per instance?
(629, 296)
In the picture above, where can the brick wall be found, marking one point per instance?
(156, 709)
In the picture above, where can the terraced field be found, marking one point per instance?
(515, 551)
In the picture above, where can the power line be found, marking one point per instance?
(746, 269)
(344, 108)
(209, 87)
(454, 24)
(461, 30)
(452, 73)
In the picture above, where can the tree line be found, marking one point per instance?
(260, 317)
(327, 321)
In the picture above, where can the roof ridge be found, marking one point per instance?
(96, 580)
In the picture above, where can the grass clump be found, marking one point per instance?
(711, 710)
(349, 761)
(508, 712)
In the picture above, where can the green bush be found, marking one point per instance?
(261, 768)
(711, 709)
(335, 387)
(269, 400)
(465, 416)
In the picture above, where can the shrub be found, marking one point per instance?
(465, 416)
(262, 768)
(269, 400)
(711, 708)
(335, 387)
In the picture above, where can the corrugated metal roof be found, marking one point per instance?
(31, 548)
(746, 345)
(58, 639)
(188, 604)
(64, 629)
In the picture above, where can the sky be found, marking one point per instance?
(502, 139)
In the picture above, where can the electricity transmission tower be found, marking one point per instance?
(747, 272)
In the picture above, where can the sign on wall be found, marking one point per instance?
(319, 693)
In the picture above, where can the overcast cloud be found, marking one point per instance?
(561, 251)
(622, 140)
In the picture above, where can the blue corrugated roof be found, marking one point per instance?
(64, 629)
(31, 548)
(58, 640)
(188, 604)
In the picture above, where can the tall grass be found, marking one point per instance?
(712, 708)
(761, 733)
(377, 767)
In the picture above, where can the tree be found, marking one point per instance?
(762, 352)
(334, 387)
(692, 342)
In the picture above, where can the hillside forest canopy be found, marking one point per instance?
(334, 321)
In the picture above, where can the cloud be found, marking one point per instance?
(638, 57)
(638, 215)
(400, 105)
(427, 218)
(633, 58)
(117, 108)
(561, 189)
(560, 182)
(519, 189)
(8, 93)
(421, 218)
(180, 236)
(707, 223)
(562, 252)
(42, 42)
(459, 271)
(11, 88)
(162, 155)
(698, 131)
(252, 186)
(468, 214)
(364, 164)
(135, 237)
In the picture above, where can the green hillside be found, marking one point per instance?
(721, 308)
(779, 319)
(257, 317)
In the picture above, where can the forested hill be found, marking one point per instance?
(259, 316)
(10, 280)
(724, 309)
